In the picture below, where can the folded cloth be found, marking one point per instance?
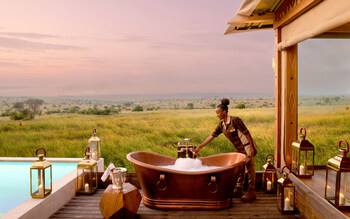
(107, 172)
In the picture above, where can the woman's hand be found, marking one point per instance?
(196, 151)
(207, 141)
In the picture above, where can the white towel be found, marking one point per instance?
(107, 172)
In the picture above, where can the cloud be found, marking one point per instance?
(20, 44)
(11, 87)
(29, 35)
(11, 64)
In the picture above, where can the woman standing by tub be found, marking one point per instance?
(235, 130)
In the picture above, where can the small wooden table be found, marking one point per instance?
(120, 204)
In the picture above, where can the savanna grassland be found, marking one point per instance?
(66, 134)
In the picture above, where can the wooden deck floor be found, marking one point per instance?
(263, 207)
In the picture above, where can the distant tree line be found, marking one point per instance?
(90, 111)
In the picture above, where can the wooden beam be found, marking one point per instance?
(342, 29)
(291, 9)
(331, 35)
(278, 92)
(238, 19)
(290, 101)
(342, 32)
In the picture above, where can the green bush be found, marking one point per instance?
(240, 106)
(137, 108)
(190, 106)
(25, 114)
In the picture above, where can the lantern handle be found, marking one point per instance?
(346, 143)
(286, 167)
(273, 158)
(94, 132)
(36, 152)
(301, 132)
(87, 149)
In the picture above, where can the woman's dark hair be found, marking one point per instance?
(224, 103)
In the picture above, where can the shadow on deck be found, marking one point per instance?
(264, 206)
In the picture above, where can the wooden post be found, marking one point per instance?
(290, 101)
(278, 97)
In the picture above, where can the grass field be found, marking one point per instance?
(66, 135)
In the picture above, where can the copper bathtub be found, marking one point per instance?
(172, 189)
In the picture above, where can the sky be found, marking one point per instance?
(118, 47)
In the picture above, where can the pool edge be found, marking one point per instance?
(63, 190)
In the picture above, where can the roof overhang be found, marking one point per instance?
(267, 14)
(253, 15)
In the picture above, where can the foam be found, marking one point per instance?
(189, 164)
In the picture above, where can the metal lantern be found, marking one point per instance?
(303, 157)
(286, 194)
(337, 174)
(95, 146)
(86, 175)
(269, 176)
(40, 176)
(185, 149)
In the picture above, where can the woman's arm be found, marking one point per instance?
(207, 141)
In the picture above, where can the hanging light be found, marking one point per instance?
(337, 174)
(40, 176)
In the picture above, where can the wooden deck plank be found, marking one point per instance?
(263, 207)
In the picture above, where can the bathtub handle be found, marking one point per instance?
(212, 186)
(161, 184)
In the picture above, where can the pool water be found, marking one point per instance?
(15, 181)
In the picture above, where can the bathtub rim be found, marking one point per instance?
(162, 169)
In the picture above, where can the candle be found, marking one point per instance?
(268, 186)
(93, 155)
(341, 199)
(286, 204)
(40, 192)
(302, 170)
(87, 187)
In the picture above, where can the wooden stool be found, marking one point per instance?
(120, 204)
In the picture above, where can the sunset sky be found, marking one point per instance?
(85, 47)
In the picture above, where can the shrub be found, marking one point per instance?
(190, 106)
(137, 108)
(240, 106)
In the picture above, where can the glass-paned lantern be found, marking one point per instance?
(95, 146)
(303, 157)
(286, 194)
(337, 178)
(269, 175)
(40, 176)
(86, 175)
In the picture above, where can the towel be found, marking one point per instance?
(107, 172)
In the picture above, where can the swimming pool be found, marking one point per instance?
(15, 181)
